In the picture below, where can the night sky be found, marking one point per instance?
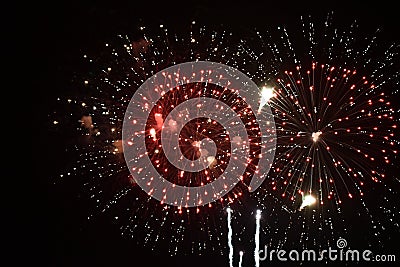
(58, 33)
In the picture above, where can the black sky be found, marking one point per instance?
(59, 31)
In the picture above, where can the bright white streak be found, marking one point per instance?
(266, 95)
(307, 201)
(241, 258)
(230, 237)
(257, 239)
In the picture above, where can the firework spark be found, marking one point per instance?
(307, 201)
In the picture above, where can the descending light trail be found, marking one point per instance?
(229, 210)
(257, 239)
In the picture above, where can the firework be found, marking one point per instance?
(191, 113)
(235, 142)
(336, 125)
(331, 93)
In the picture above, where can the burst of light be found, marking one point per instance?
(266, 94)
(308, 200)
(127, 61)
(210, 159)
(315, 136)
(153, 133)
(346, 161)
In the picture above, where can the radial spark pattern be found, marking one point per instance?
(332, 89)
(99, 104)
(332, 92)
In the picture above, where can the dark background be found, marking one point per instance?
(57, 33)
